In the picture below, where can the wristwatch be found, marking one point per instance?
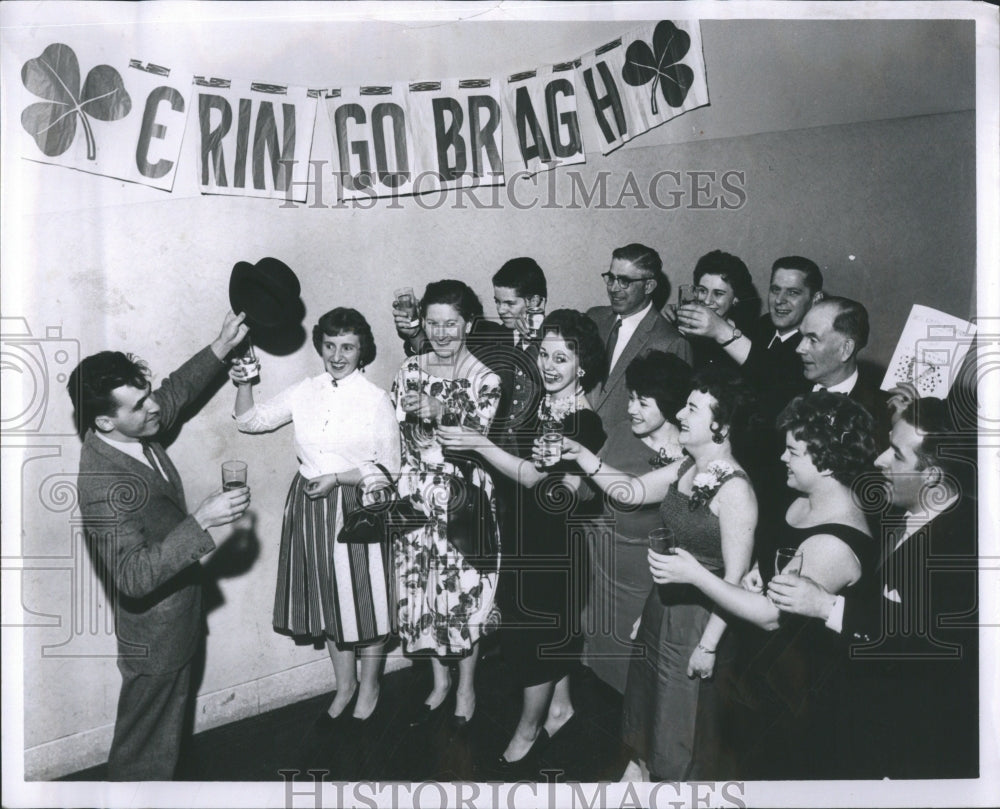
(737, 334)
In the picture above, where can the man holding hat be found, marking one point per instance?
(147, 542)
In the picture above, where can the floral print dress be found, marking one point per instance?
(443, 603)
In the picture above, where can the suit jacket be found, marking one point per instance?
(867, 393)
(148, 545)
(774, 373)
(610, 400)
(914, 652)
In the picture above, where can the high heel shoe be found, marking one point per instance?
(425, 714)
(327, 723)
(526, 767)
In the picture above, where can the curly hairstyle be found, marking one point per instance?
(837, 431)
(456, 294)
(343, 320)
(735, 405)
(664, 378)
(92, 381)
(582, 336)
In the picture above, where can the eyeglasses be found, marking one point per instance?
(622, 280)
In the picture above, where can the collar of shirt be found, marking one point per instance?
(915, 520)
(327, 380)
(845, 386)
(782, 338)
(629, 324)
(131, 448)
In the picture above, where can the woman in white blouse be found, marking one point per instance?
(344, 426)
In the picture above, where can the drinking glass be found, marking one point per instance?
(686, 294)
(234, 475)
(661, 540)
(406, 301)
(788, 560)
(551, 443)
(247, 360)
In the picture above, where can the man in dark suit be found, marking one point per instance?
(630, 326)
(834, 331)
(147, 543)
(508, 348)
(911, 697)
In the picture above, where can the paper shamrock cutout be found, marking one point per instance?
(55, 76)
(661, 65)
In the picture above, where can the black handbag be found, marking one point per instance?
(472, 528)
(367, 523)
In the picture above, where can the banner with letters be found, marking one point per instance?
(125, 118)
(457, 133)
(542, 115)
(640, 81)
(254, 139)
(371, 141)
(84, 109)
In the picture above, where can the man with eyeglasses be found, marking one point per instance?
(630, 326)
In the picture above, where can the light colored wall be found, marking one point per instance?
(857, 145)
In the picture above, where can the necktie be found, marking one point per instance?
(147, 450)
(609, 348)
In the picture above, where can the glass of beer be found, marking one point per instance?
(234, 475)
(552, 436)
(406, 301)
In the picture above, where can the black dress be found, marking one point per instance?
(540, 592)
(780, 703)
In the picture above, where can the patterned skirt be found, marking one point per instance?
(443, 603)
(327, 588)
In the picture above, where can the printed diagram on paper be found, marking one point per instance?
(930, 351)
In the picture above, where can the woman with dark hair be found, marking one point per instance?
(722, 285)
(345, 429)
(707, 502)
(446, 565)
(658, 385)
(780, 708)
(539, 605)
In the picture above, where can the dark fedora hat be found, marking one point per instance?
(267, 291)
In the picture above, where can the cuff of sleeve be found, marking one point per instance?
(835, 620)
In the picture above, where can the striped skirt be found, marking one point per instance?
(328, 588)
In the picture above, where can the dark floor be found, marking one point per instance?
(385, 749)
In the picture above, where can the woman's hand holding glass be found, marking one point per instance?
(792, 592)
(698, 319)
(679, 567)
(427, 408)
(241, 374)
(460, 437)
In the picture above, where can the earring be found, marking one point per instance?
(717, 435)
(579, 372)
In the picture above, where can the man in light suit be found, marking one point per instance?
(630, 326)
(911, 698)
(146, 542)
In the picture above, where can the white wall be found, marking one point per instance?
(856, 140)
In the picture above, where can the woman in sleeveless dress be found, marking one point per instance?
(618, 578)
(708, 503)
(540, 603)
(779, 705)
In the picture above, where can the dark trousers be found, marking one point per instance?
(149, 725)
